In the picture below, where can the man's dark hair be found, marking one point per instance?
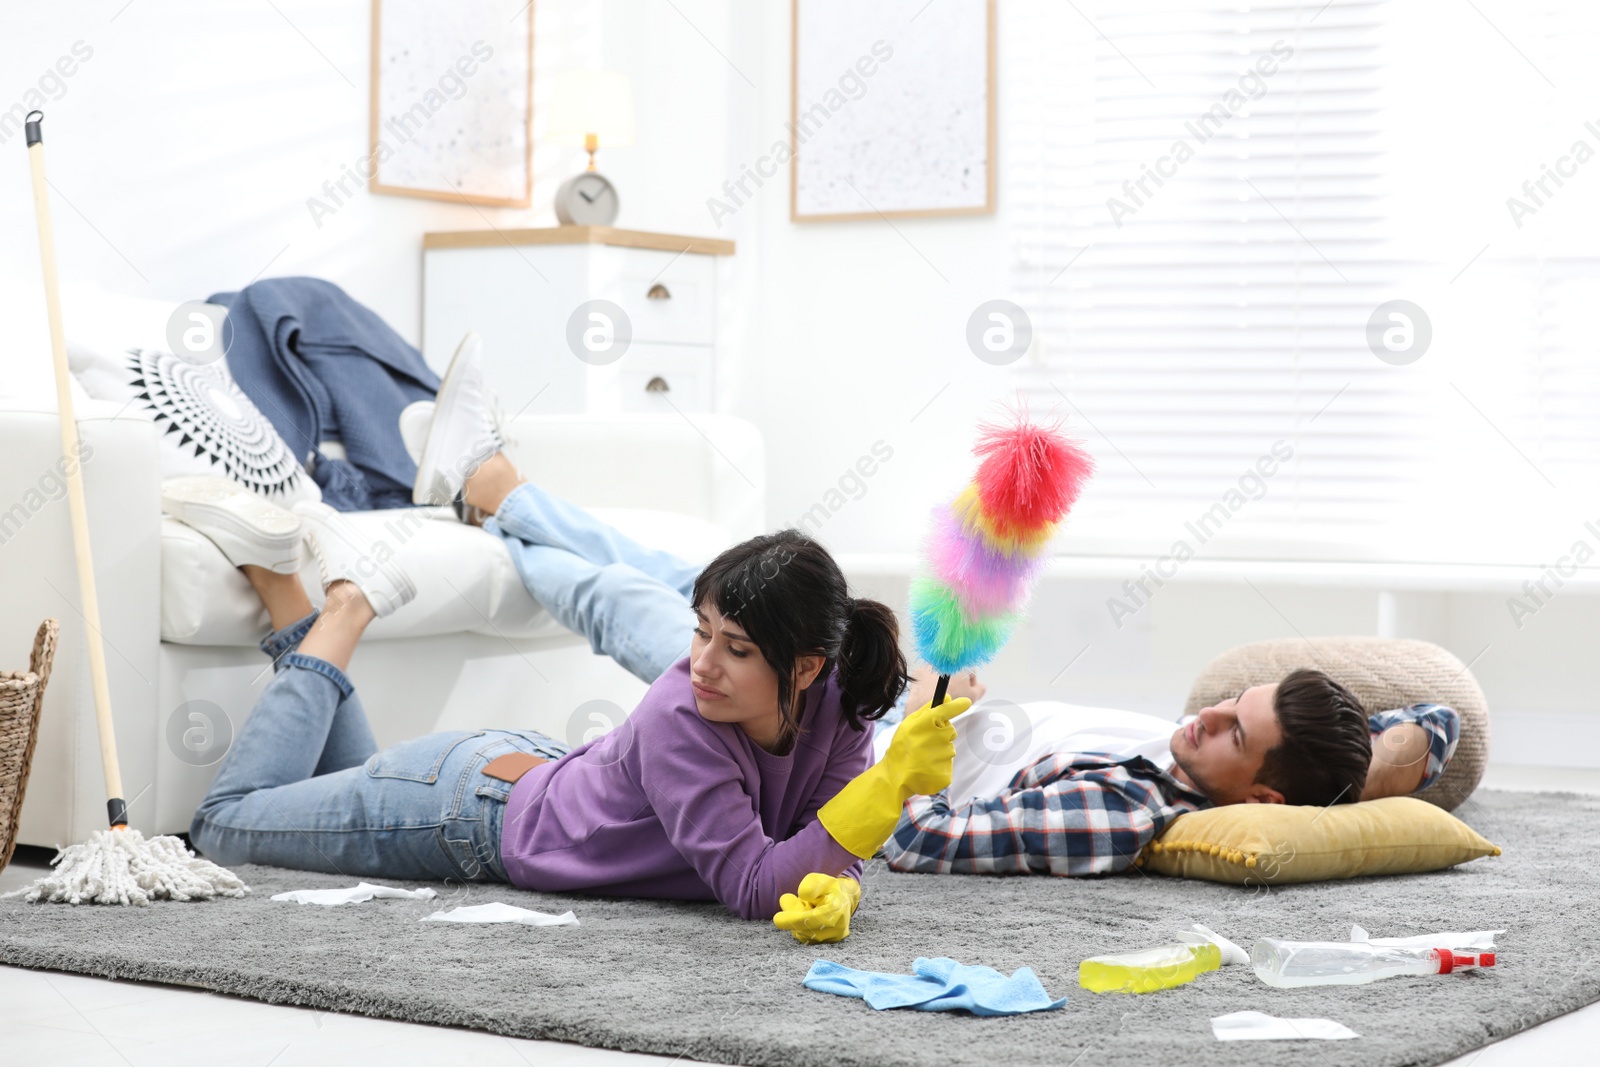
(1326, 748)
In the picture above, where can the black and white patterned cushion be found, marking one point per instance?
(210, 426)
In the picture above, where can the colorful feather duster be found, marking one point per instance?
(986, 548)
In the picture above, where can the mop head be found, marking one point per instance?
(121, 867)
(987, 547)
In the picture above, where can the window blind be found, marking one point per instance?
(1208, 204)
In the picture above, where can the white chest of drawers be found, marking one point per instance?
(555, 306)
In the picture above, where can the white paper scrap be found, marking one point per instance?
(501, 913)
(354, 895)
(1259, 1026)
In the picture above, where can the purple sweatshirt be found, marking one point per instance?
(673, 805)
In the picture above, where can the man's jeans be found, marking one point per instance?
(304, 784)
(630, 602)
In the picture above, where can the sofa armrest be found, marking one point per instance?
(711, 467)
(38, 571)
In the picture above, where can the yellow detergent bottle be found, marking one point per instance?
(1148, 970)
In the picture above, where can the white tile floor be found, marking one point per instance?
(70, 1021)
(66, 1020)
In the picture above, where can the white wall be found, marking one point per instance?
(846, 330)
(860, 332)
(184, 150)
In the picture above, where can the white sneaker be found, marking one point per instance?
(415, 422)
(464, 431)
(343, 551)
(246, 527)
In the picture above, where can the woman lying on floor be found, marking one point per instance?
(742, 776)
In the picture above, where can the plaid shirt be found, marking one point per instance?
(1082, 813)
(1442, 724)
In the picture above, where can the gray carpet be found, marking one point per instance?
(690, 980)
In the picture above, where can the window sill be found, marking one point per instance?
(1385, 576)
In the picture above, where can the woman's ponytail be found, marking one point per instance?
(872, 669)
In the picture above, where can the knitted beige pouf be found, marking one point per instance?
(1383, 673)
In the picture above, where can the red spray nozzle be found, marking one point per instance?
(1450, 960)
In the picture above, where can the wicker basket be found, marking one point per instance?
(21, 696)
(1383, 673)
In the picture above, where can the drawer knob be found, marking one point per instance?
(657, 384)
(659, 292)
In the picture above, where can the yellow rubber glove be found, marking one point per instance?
(821, 910)
(920, 760)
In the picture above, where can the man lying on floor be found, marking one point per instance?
(1078, 790)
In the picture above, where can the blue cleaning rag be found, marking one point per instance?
(939, 984)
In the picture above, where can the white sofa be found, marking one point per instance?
(181, 625)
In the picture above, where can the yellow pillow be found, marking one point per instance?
(1278, 844)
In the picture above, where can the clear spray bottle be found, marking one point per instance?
(1287, 964)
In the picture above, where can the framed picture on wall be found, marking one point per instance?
(891, 109)
(452, 102)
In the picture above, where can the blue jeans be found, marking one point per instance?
(630, 602)
(305, 786)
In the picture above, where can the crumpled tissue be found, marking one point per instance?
(1259, 1026)
(501, 913)
(354, 895)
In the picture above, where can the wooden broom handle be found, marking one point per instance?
(75, 500)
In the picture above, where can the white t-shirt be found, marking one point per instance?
(997, 738)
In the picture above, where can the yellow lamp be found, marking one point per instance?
(588, 108)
